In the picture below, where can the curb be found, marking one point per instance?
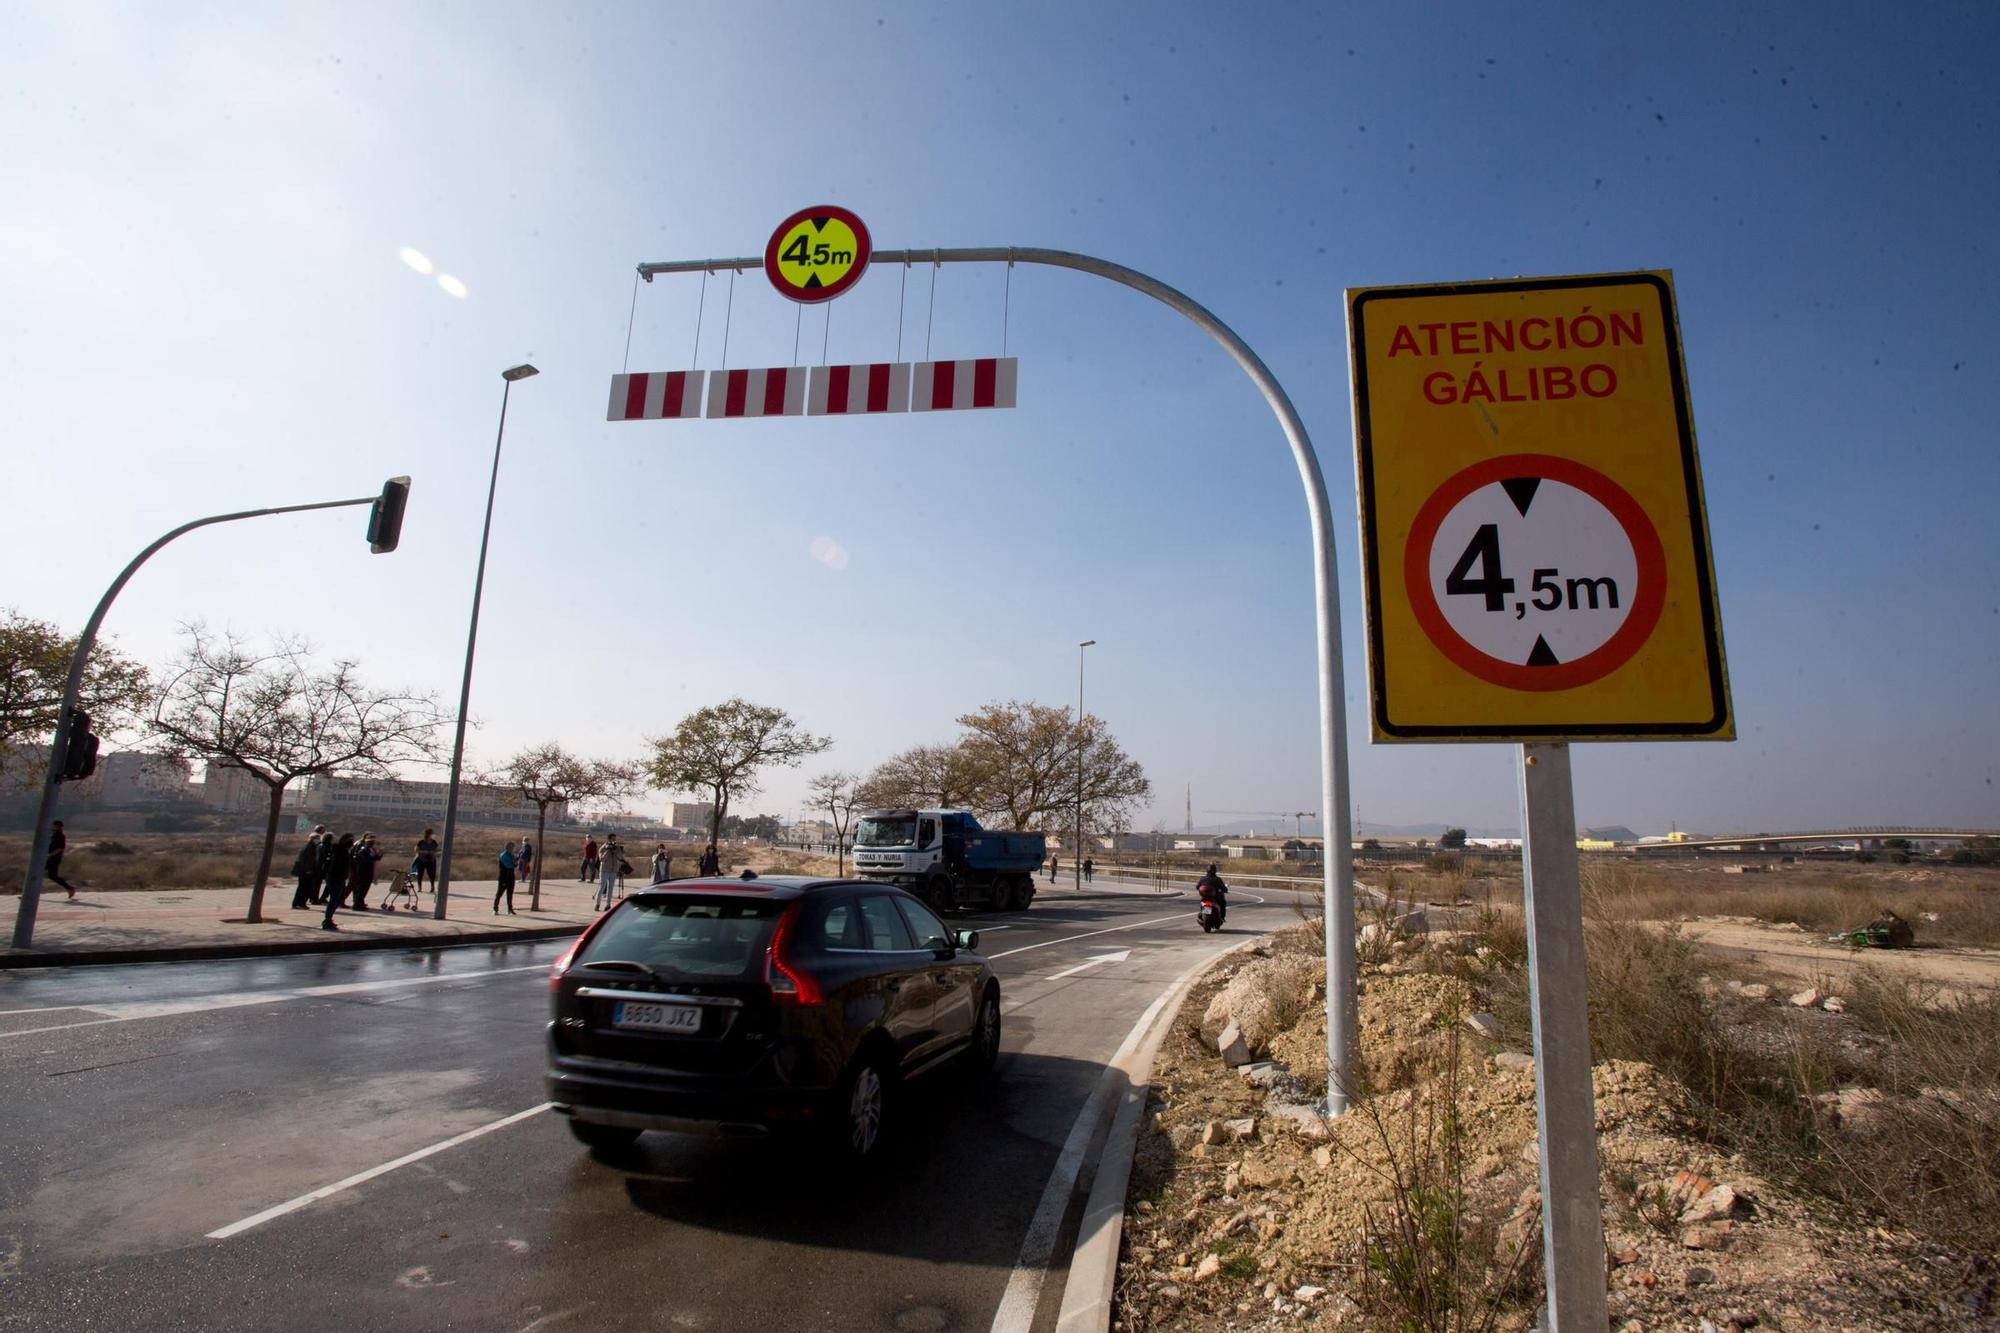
(209, 952)
(1092, 1281)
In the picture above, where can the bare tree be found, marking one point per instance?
(545, 774)
(837, 794)
(719, 750)
(925, 775)
(1036, 762)
(34, 666)
(278, 717)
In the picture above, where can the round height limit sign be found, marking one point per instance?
(1535, 572)
(1534, 543)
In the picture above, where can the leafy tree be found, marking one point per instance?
(546, 774)
(1452, 839)
(1033, 762)
(277, 716)
(719, 750)
(837, 794)
(34, 666)
(766, 827)
(940, 776)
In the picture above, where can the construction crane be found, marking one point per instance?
(1298, 817)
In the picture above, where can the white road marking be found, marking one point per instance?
(1117, 957)
(1108, 930)
(361, 1177)
(126, 1011)
(1024, 1286)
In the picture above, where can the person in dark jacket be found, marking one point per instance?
(1210, 888)
(52, 867)
(361, 871)
(505, 888)
(335, 862)
(306, 867)
(711, 864)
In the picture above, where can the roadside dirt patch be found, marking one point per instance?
(1804, 956)
(1246, 1213)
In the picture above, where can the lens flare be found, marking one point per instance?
(451, 285)
(416, 259)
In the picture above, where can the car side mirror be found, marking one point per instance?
(966, 939)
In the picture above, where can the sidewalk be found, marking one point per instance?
(170, 925)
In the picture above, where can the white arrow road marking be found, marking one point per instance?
(1118, 957)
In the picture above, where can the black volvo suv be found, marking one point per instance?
(740, 1006)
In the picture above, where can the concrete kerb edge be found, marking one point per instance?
(209, 952)
(1093, 1268)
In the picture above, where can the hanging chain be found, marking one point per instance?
(694, 357)
(827, 336)
(798, 327)
(630, 317)
(931, 317)
(902, 291)
(1006, 305)
(728, 313)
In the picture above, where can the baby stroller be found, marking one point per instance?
(402, 884)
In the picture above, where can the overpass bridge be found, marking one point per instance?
(1869, 838)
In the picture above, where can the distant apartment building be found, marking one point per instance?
(691, 816)
(133, 777)
(229, 787)
(354, 800)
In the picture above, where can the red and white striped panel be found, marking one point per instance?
(777, 392)
(875, 386)
(655, 396)
(986, 381)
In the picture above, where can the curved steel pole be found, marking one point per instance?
(31, 887)
(1339, 877)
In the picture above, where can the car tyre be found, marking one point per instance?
(984, 1050)
(606, 1139)
(861, 1109)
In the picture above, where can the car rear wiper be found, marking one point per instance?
(624, 965)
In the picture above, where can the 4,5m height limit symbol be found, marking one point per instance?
(1339, 879)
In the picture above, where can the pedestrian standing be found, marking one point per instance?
(306, 866)
(614, 852)
(588, 870)
(335, 863)
(426, 863)
(1055, 863)
(711, 864)
(52, 868)
(663, 864)
(361, 871)
(607, 875)
(524, 862)
(1088, 866)
(505, 889)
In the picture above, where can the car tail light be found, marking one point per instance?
(789, 983)
(561, 964)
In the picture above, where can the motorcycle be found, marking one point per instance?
(1209, 915)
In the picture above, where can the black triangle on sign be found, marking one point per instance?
(819, 224)
(813, 281)
(1521, 490)
(1543, 654)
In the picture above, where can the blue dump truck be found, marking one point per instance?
(947, 859)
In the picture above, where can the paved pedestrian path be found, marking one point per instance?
(165, 924)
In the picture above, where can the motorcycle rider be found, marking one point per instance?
(1213, 890)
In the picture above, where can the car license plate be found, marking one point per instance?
(656, 1017)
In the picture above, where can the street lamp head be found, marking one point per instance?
(1086, 643)
(519, 372)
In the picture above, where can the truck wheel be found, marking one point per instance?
(937, 892)
(1023, 893)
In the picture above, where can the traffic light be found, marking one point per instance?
(385, 517)
(80, 755)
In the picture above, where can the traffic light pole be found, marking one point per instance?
(31, 886)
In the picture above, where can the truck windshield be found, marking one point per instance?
(886, 832)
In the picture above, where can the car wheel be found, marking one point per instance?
(603, 1138)
(985, 1048)
(862, 1109)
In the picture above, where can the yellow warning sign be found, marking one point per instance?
(817, 253)
(1534, 544)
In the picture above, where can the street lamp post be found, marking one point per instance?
(1077, 867)
(519, 372)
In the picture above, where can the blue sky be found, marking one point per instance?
(202, 308)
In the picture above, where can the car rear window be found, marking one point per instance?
(720, 938)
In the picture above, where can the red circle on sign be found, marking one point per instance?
(1601, 661)
(864, 247)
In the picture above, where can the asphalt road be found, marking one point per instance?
(150, 1107)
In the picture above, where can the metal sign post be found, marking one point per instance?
(1565, 1116)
